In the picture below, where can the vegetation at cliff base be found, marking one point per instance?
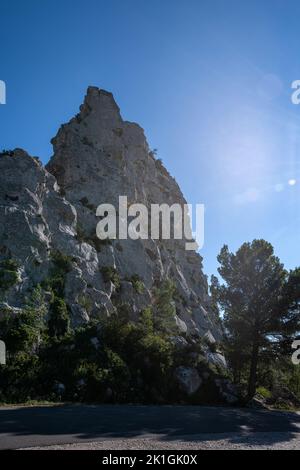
(108, 360)
(113, 359)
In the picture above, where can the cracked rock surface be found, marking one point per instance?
(97, 157)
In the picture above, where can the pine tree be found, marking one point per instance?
(260, 302)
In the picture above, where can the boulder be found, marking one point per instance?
(216, 359)
(188, 379)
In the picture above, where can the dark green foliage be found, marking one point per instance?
(108, 360)
(110, 274)
(8, 273)
(22, 332)
(91, 238)
(80, 233)
(9, 264)
(62, 264)
(97, 243)
(165, 306)
(85, 302)
(261, 305)
(7, 279)
(59, 321)
(59, 317)
(137, 283)
(146, 322)
(114, 360)
(147, 353)
(19, 379)
(153, 153)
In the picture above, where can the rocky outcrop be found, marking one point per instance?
(216, 359)
(37, 221)
(97, 157)
(188, 379)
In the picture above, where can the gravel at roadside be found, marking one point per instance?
(250, 441)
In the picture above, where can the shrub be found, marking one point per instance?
(137, 283)
(118, 374)
(97, 243)
(110, 274)
(62, 262)
(157, 350)
(116, 330)
(80, 233)
(146, 322)
(165, 306)
(59, 321)
(264, 392)
(10, 264)
(85, 302)
(8, 273)
(19, 378)
(22, 332)
(153, 153)
(94, 379)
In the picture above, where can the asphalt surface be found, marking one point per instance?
(22, 427)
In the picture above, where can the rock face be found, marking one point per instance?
(217, 359)
(97, 157)
(189, 379)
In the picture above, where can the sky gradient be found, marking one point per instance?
(209, 81)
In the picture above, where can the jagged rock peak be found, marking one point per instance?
(97, 157)
(101, 103)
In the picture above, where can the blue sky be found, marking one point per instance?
(209, 80)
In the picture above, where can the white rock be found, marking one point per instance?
(97, 157)
(217, 359)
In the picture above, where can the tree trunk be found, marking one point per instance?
(253, 370)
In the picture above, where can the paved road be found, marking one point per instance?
(44, 426)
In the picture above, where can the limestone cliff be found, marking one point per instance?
(97, 157)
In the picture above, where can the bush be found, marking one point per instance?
(97, 243)
(62, 262)
(146, 322)
(22, 332)
(8, 273)
(62, 265)
(59, 321)
(137, 283)
(165, 306)
(110, 274)
(80, 233)
(91, 381)
(19, 378)
(265, 393)
(107, 360)
(85, 302)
